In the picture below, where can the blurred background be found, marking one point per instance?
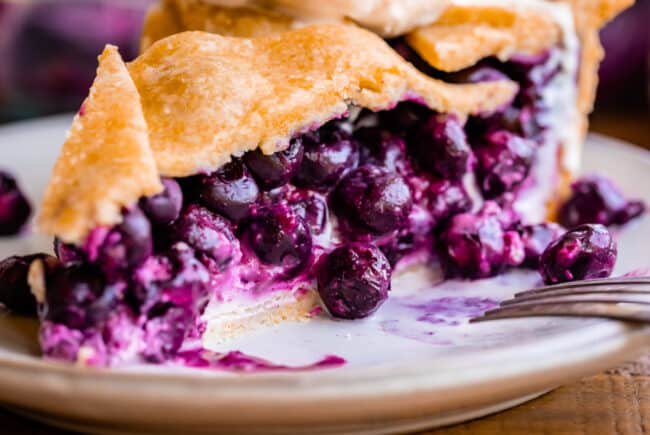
(48, 56)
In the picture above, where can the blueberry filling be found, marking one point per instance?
(14, 206)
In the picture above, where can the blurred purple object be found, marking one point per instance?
(48, 50)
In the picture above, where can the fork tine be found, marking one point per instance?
(634, 312)
(610, 282)
(520, 298)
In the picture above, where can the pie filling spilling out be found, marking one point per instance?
(325, 220)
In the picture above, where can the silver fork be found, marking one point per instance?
(614, 298)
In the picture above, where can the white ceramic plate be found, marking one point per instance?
(415, 364)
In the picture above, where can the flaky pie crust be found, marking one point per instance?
(195, 99)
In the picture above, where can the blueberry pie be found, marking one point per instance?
(217, 184)
(541, 45)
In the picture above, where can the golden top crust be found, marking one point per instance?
(106, 162)
(208, 97)
(463, 35)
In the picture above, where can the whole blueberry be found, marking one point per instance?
(440, 146)
(329, 153)
(15, 293)
(536, 239)
(77, 296)
(164, 207)
(595, 199)
(231, 191)
(478, 245)
(354, 280)
(375, 198)
(504, 161)
(380, 147)
(279, 236)
(313, 210)
(208, 233)
(127, 245)
(447, 198)
(587, 251)
(274, 170)
(14, 206)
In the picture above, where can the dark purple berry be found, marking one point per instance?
(597, 200)
(14, 206)
(374, 198)
(479, 245)
(127, 245)
(447, 198)
(275, 169)
(440, 146)
(15, 293)
(279, 236)
(330, 153)
(313, 210)
(536, 239)
(207, 232)
(504, 161)
(585, 252)
(404, 118)
(164, 207)
(354, 280)
(66, 252)
(77, 296)
(231, 191)
(380, 147)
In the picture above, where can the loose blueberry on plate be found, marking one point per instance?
(587, 251)
(14, 206)
(504, 161)
(374, 198)
(274, 170)
(354, 280)
(15, 293)
(595, 199)
(231, 191)
(440, 146)
(330, 153)
(279, 236)
(164, 207)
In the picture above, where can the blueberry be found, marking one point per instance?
(597, 200)
(276, 169)
(14, 206)
(536, 239)
(67, 253)
(15, 293)
(127, 245)
(477, 74)
(479, 245)
(504, 161)
(382, 148)
(208, 233)
(77, 296)
(330, 153)
(231, 191)
(354, 280)
(404, 118)
(164, 207)
(279, 236)
(440, 146)
(313, 210)
(374, 198)
(587, 251)
(447, 198)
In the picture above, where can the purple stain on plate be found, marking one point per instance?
(451, 310)
(236, 361)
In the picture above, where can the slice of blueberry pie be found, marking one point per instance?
(217, 184)
(541, 45)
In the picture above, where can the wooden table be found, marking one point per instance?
(615, 402)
